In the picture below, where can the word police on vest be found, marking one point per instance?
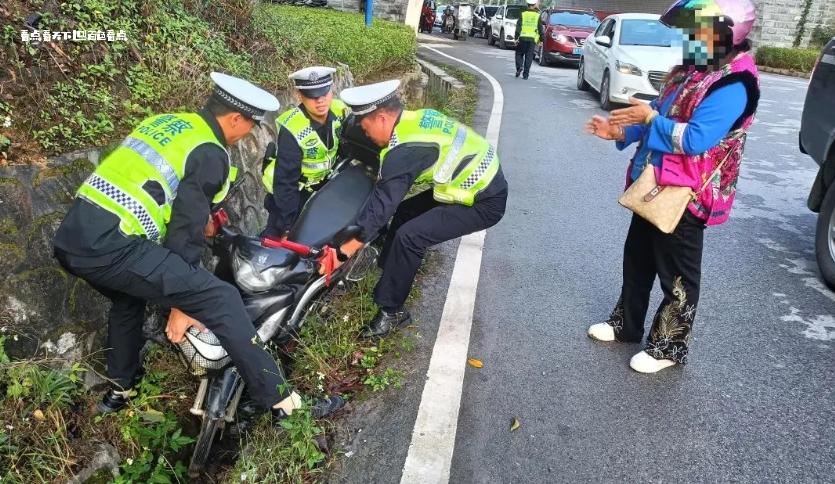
(243, 96)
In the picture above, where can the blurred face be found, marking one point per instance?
(703, 38)
(378, 127)
(317, 107)
(235, 126)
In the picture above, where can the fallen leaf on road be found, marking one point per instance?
(515, 424)
(38, 415)
(475, 363)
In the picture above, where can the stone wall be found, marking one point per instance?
(778, 20)
(42, 308)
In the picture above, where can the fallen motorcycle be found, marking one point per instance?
(279, 282)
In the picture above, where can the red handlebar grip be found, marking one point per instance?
(300, 249)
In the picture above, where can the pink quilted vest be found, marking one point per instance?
(713, 204)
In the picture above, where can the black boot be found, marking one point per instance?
(518, 72)
(113, 401)
(322, 407)
(384, 323)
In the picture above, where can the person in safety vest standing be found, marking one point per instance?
(137, 228)
(528, 33)
(306, 149)
(468, 191)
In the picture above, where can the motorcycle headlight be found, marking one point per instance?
(626, 68)
(250, 278)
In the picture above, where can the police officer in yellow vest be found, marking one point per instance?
(468, 191)
(528, 34)
(306, 148)
(137, 228)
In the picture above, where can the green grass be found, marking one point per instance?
(71, 95)
(801, 60)
(462, 104)
(49, 432)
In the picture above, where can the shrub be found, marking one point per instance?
(802, 60)
(307, 35)
(822, 35)
(65, 95)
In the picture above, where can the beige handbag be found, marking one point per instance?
(662, 206)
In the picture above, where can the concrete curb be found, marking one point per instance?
(438, 80)
(785, 72)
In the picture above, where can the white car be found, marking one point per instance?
(629, 55)
(503, 26)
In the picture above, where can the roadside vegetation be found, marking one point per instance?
(49, 432)
(798, 60)
(460, 106)
(62, 95)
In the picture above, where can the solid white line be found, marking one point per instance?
(433, 438)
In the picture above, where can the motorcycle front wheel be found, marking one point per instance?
(208, 431)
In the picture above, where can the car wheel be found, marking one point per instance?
(543, 61)
(502, 43)
(490, 39)
(605, 97)
(581, 76)
(825, 238)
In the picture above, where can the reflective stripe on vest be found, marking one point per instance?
(317, 159)
(156, 151)
(466, 162)
(530, 25)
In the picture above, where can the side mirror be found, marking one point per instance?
(603, 40)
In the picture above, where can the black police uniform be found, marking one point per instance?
(420, 221)
(131, 271)
(286, 202)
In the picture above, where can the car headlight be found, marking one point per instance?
(250, 278)
(562, 39)
(626, 68)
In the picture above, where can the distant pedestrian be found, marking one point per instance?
(528, 34)
(701, 118)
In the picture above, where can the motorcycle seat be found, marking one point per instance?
(334, 207)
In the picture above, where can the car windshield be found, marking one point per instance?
(513, 12)
(490, 11)
(573, 19)
(645, 32)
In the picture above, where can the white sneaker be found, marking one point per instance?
(602, 332)
(643, 362)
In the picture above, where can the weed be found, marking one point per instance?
(459, 104)
(389, 377)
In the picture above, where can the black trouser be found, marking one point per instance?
(139, 277)
(677, 261)
(419, 223)
(524, 55)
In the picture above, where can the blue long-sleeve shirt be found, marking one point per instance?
(711, 121)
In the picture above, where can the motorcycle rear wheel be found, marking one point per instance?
(203, 446)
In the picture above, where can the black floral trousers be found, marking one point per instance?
(677, 261)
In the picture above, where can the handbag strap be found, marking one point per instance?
(739, 135)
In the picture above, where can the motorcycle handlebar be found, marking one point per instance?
(301, 249)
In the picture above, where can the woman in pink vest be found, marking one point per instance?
(702, 116)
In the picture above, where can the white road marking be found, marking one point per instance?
(433, 438)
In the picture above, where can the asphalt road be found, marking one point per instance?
(755, 402)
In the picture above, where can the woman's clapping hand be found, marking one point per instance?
(637, 113)
(603, 128)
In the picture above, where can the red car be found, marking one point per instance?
(565, 31)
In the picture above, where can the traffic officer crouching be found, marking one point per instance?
(306, 148)
(468, 191)
(528, 34)
(137, 228)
